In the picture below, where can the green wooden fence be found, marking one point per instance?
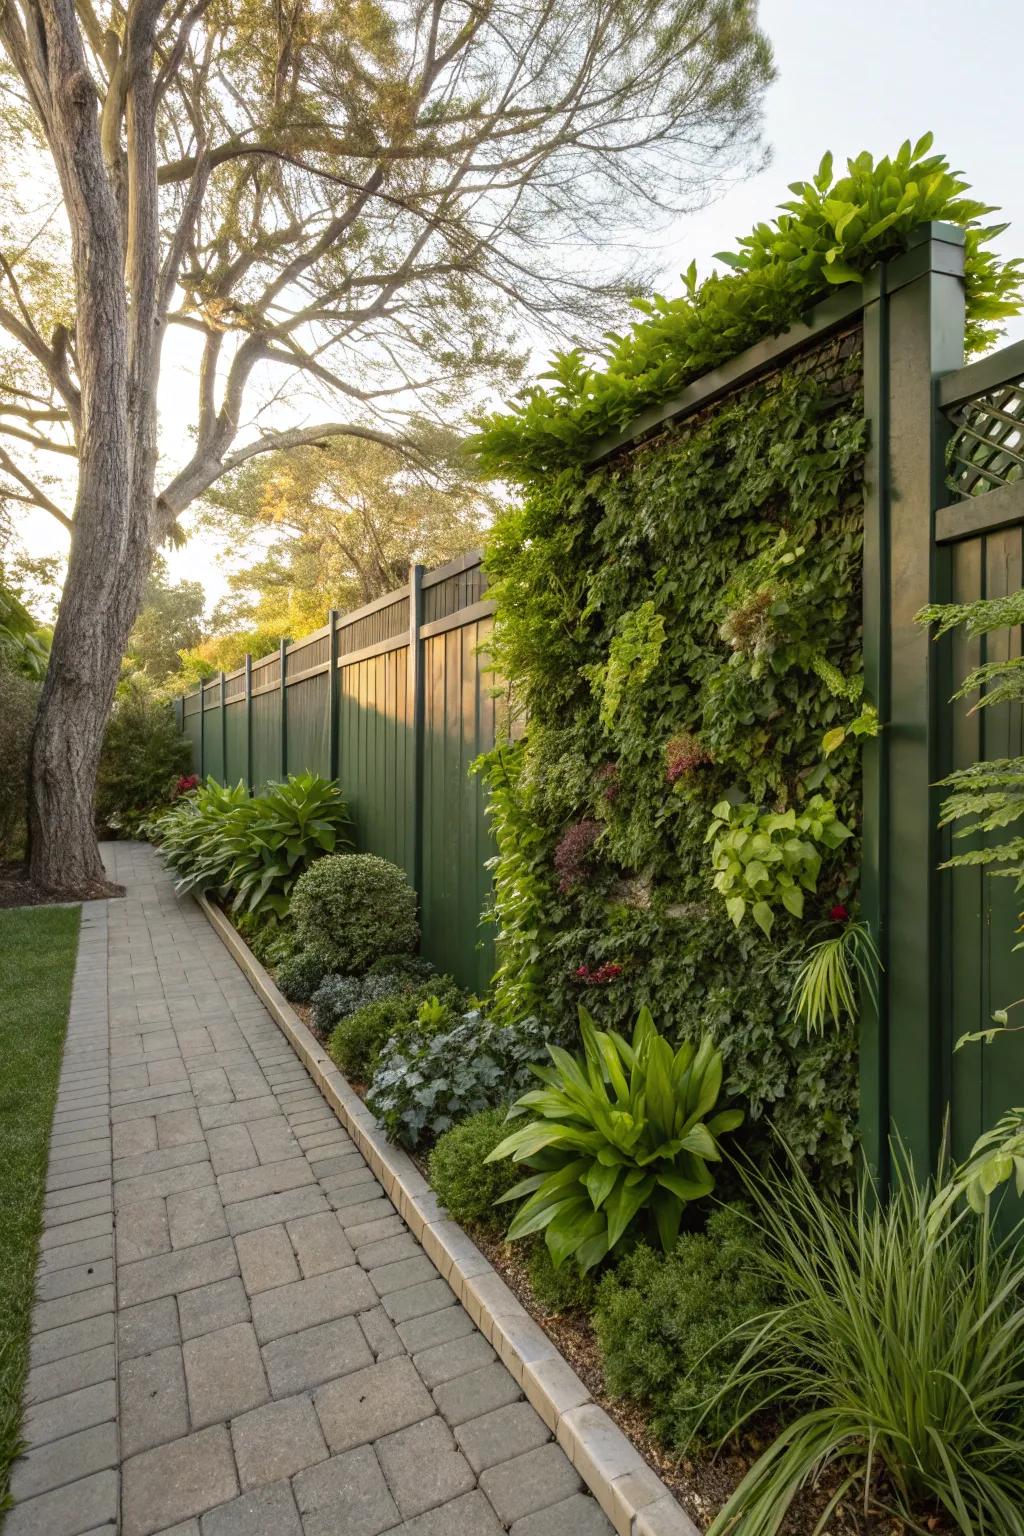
(394, 699)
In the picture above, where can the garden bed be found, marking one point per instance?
(700, 1483)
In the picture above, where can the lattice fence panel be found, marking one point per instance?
(987, 446)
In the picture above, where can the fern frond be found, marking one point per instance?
(978, 618)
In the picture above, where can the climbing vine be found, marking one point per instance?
(681, 631)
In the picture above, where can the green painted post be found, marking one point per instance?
(202, 729)
(282, 652)
(223, 731)
(415, 685)
(332, 694)
(248, 721)
(913, 332)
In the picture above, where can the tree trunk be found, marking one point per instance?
(98, 606)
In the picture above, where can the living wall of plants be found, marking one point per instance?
(684, 631)
(680, 823)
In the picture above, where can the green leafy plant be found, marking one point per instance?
(674, 522)
(299, 975)
(827, 984)
(362, 1013)
(833, 230)
(24, 644)
(901, 1337)
(622, 1132)
(522, 881)
(988, 797)
(560, 1289)
(667, 1325)
(252, 851)
(18, 699)
(464, 1182)
(767, 859)
(996, 1158)
(144, 754)
(353, 908)
(424, 1084)
(632, 657)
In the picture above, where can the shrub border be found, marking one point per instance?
(631, 1494)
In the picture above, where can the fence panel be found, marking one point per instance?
(981, 534)
(349, 710)
(458, 726)
(376, 754)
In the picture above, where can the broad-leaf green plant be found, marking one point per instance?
(833, 230)
(764, 860)
(627, 1131)
(252, 850)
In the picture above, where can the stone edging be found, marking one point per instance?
(633, 1497)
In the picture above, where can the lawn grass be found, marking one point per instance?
(37, 960)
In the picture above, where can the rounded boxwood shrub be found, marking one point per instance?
(352, 908)
(665, 1325)
(300, 974)
(462, 1180)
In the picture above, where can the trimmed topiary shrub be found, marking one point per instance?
(360, 1036)
(466, 1184)
(352, 908)
(300, 975)
(665, 1325)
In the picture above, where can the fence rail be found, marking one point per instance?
(395, 700)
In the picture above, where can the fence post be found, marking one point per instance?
(282, 652)
(223, 731)
(332, 693)
(248, 721)
(202, 728)
(913, 331)
(416, 698)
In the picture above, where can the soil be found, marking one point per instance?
(16, 890)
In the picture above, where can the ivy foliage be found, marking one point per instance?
(573, 568)
(832, 231)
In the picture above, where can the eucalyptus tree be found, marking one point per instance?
(358, 203)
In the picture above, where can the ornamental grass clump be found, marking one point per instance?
(899, 1334)
(620, 1135)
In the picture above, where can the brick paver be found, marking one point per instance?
(235, 1333)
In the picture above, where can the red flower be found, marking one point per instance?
(601, 977)
(186, 782)
(839, 913)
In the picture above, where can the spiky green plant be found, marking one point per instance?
(900, 1334)
(826, 985)
(621, 1132)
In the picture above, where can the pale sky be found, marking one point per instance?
(851, 77)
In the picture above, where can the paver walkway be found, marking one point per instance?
(234, 1333)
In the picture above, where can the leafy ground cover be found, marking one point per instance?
(37, 960)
